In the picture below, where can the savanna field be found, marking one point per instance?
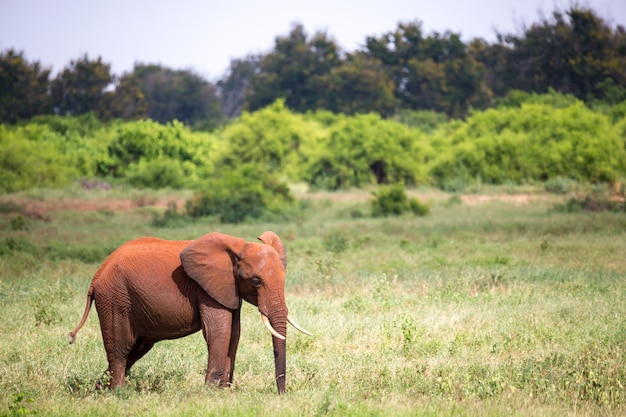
(454, 216)
(500, 301)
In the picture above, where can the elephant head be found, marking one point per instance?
(230, 269)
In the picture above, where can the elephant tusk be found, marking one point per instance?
(297, 326)
(267, 324)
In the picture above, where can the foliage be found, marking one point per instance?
(245, 192)
(591, 203)
(575, 52)
(425, 120)
(274, 139)
(158, 173)
(534, 143)
(153, 155)
(295, 71)
(233, 87)
(29, 157)
(359, 85)
(23, 88)
(435, 72)
(81, 87)
(366, 149)
(177, 95)
(391, 200)
(516, 98)
(170, 218)
(336, 241)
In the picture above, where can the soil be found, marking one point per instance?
(40, 209)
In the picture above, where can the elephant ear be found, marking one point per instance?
(271, 239)
(209, 261)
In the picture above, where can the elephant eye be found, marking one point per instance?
(256, 282)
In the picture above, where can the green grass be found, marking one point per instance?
(476, 309)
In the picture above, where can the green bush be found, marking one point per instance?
(10, 245)
(366, 149)
(29, 158)
(171, 218)
(534, 143)
(517, 98)
(158, 173)
(418, 208)
(246, 192)
(275, 138)
(391, 200)
(425, 120)
(152, 155)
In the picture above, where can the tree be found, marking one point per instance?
(434, 72)
(81, 87)
(126, 102)
(23, 88)
(295, 70)
(574, 52)
(232, 90)
(359, 85)
(178, 95)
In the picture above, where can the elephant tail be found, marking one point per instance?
(72, 335)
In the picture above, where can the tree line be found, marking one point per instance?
(575, 52)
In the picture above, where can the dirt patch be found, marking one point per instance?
(40, 209)
(517, 199)
(429, 195)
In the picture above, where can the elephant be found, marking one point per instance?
(150, 289)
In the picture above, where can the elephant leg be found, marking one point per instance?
(139, 350)
(118, 343)
(118, 374)
(234, 341)
(216, 329)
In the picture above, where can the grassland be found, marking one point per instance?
(494, 304)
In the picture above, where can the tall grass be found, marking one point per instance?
(484, 309)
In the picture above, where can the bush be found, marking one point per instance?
(29, 158)
(591, 203)
(246, 192)
(273, 137)
(170, 218)
(159, 173)
(418, 208)
(152, 155)
(366, 149)
(535, 143)
(391, 200)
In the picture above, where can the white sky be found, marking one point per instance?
(203, 36)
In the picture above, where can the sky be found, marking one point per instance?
(204, 36)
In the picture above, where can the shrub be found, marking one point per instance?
(418, 208)
(159, 173)
(170, 218)
(246, 192)
(29, 158)
(591, 203)
(273, 137)
(391, 200)
(336, 241)
(366, 149)
(535, 143)
(153, 155)
(560, 185)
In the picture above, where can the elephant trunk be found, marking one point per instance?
(280, 350)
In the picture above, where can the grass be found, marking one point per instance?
(476, 309)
